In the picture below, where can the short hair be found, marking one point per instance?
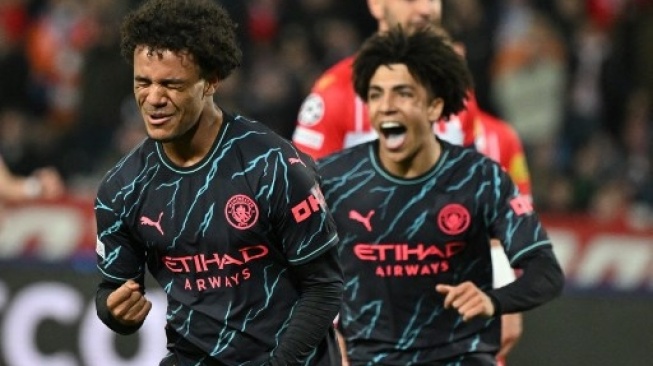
(199, 27)
(429, 57)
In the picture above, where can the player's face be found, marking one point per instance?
(410, 14)
(401, 112)
(169, 92)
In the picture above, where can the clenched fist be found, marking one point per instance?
(128, 305)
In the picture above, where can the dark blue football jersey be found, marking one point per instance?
(399, 238)
(219, 237)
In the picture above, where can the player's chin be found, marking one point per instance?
(160, 134)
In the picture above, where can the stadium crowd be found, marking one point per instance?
(574, 77)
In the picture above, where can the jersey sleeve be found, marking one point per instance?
(322, 121)
(119, 257)
(300, 216)
(512, 219)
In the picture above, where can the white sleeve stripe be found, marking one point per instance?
(502, 272)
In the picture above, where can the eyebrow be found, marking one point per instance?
(395, 88)
(163, 81)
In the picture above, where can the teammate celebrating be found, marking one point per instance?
(416, 215)
(333, 117)
(226, 215)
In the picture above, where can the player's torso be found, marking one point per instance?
(399, 238)
(204, 227)
(210, 238)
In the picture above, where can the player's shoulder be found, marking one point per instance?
(130, 165)
(253, 139)
(252, 135)
(135, 160)
(344, 159)
(464, 157)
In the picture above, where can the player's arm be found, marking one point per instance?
(515, 224)
(123, 308)
(120, 300)
(503, 274)
(310, 246)
(541, 281)
(528, 248)
(321, 286)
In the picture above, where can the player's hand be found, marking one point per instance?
(51, 183)
(511, 329)
(128, 305)
(467, 299)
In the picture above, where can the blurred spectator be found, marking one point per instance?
(55, 44)
(14, 68)
(44, 183)
(469, 23)
(274, 95)
(105, 82)
(529, 78)
(637, 140)
(26, 143)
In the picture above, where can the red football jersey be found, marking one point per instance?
(499, 141)
(332, 117)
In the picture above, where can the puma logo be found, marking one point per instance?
(148, 222)
(365, 220)
(296, 161)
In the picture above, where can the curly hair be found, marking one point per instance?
(200, 27)
(429, 57)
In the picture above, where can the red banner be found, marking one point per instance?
(596, 254)
(53, 231)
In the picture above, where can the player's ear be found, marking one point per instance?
(434, 109)
(210, 85)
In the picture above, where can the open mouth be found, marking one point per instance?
(394, 134)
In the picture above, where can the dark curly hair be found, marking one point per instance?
(200, 27)
(429, 57)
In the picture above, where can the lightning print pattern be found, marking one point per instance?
(218, 237)
(431, 229)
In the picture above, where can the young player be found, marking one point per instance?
(333, 117)
(415, 215)
(226, 215)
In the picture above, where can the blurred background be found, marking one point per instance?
(574, 77)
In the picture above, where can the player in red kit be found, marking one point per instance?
(332, 117)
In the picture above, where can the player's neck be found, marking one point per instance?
(197, 143)
(414, 166)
